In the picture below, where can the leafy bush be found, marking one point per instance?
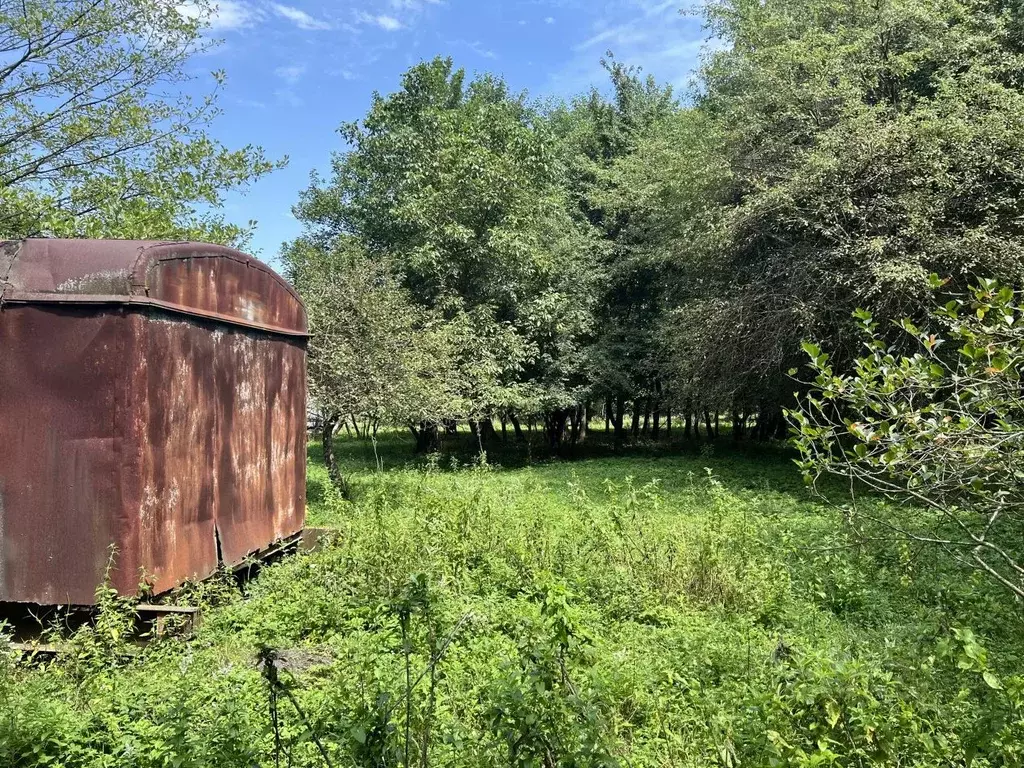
(941, 428)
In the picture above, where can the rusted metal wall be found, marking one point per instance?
(155, 404)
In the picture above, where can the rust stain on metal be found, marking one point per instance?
(152, 399)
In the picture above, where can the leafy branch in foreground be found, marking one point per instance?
(98, 137)
(941, 429)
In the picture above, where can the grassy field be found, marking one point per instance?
(667, 606)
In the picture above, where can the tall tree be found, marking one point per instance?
(835, 155)
(94, 139)
(869, 144)
(596, 132)
(458, 185)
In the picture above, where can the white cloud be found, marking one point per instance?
(479, 50)
(291, 73)
(620, 36)
(651, 34)
(413, 5)
(300, 18)
(385, 22)
(549, 20)
(223, 16)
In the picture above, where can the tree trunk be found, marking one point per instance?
(717, 425)
(330, 458)
(688, 432)
(647, 417)
(428, 439)
(516, 426)
(707, 424)
(504, 429)
(575, 425)
(635, 426)
(668, 422)
(554, 426)
(620, 415)
(656, 433)
(781, 427)
(585, 422)
(607, 415)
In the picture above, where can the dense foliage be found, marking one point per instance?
(455, 184)
(939, 429)
(635, 610)
(94, 139)
(653, 254)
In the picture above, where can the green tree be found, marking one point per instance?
(668, 192)
(596, 132)
(94, 140)
(868, 144)
(457, 184)
(375, 357)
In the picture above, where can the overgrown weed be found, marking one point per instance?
(558, 614)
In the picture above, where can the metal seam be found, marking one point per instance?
(144, 301)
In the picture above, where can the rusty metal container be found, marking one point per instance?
(152, 415)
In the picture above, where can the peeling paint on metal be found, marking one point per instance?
(110, 282)
(3, 569)
(177, 438)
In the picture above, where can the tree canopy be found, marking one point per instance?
(456, 184)
(96, 136)
(648, 253)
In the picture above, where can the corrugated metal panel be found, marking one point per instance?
(175, 434)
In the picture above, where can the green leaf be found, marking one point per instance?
(992, 681)
(813, 350)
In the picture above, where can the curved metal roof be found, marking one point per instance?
(195, 279)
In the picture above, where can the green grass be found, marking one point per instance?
(668, 606)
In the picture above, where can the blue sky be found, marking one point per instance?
(296, 70)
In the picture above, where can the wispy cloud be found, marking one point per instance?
(226, 15)
(413, 5)
(549, 20)
(300, 18)
(384, 21)
(401, 14)
(291, 72)
(480, 50)
(289, 97)
(651, 34)
(251, 103)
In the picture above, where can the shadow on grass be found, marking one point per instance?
(738, 464)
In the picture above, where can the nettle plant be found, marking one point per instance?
(939, 429)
